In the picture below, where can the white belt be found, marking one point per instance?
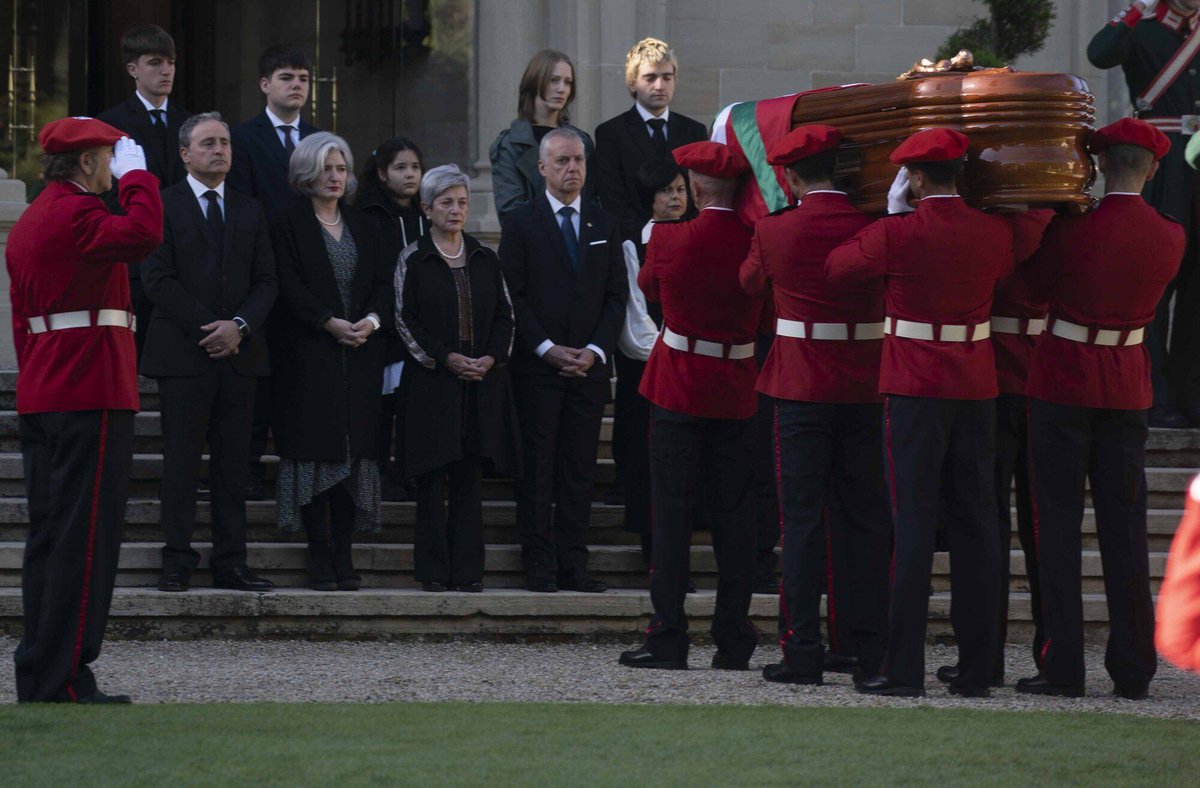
(798, 329)
(1108, 337)
(1012, 325)
(83, 319)
(910, 329)
(703, 347)
(1182, 124)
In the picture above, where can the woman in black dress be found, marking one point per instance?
(455, 316)
(334, 295)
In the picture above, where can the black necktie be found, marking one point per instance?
(215, 221)
(569, 236)
(658, 135)
(289, 147)
(158, 119)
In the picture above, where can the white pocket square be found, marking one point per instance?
(597, 243)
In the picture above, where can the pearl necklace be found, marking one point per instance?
(462, 245)
(334, 223)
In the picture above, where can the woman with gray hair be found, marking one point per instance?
(334, 295)
(455, 316)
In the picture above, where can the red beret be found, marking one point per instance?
(1129, 131)
(802, 142)
(931, 145)
(712, 159)
(68, 134)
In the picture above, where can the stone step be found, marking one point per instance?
(147, 472)
(143, 516)
(391, 566)
(148, 614)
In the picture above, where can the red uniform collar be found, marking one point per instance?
(1169, 17)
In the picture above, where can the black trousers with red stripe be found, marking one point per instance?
(923, 436)
(1012, 465)
(698, 463)
(77, 467)
(1068, 445)
(831, 487)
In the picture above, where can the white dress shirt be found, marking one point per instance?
(146, 102)
(199, 190)
(648, 116)
(276, 122)
(557, 205)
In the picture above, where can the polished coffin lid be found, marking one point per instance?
(1028, 132)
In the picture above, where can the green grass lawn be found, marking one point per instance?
(509, 743)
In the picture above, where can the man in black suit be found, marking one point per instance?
(262, 147)
(566, 273)
(153, 121)
(648, 130)
(212, 283)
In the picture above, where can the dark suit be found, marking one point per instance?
(260, 163)
(622, 145)
(163, 161)
(260, 168)
(560, 417)
(192, 285)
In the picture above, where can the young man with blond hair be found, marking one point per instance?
(648, 130)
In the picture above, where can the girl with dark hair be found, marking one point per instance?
(661, 185)
(546, 91)
(389, 194)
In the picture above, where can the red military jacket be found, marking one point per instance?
(940, 265)
(1104, 270)
(68, 253)
(1016, 298)
(787, 258)
(692, 269)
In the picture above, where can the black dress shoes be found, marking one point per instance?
(882, 685)
(641, 658)
(968, 691)
(541, 585)
(1131, 693)
(471, 588)
(1037, 685)
(434, 587)
(241, 579)
(839, 663)
(1167, 417)
(723, 662)
(947, 674)
(349, 583)
(99, 698)
(780, 673)
(174, 580)
(586, 585)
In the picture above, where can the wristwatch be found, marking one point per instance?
(243, 328)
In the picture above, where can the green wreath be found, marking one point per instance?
(1015, 28)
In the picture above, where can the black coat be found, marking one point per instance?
(131, 117)
(397, 227)
(551, 300)
(191, 288)
(323, 392)
(260, 164)
(427, 317)
(622, 145)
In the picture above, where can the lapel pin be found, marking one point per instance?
(589, 224)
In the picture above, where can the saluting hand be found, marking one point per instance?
(899, 193)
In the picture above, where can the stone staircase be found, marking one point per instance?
(391, 603)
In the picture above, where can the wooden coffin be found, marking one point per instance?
(1027, 130)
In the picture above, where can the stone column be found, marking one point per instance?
(12, 205)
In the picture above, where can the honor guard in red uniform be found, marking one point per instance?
(940, 265)
(1089, 390)
(76, 394)
(700, 381)
(823, 371)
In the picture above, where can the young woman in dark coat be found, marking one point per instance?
(389, 193)
(455, 316)
(334, 295)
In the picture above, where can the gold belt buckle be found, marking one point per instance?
(1189, 124)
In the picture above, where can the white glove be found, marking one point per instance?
(127, 157)
(899, 193)
(1146, 5)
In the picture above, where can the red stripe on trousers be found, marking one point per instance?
(87, 564)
